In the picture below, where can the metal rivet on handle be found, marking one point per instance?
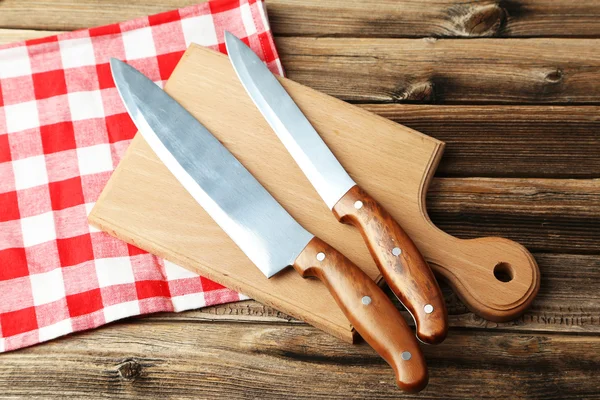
(396, 251)
(358, 204)
(406, 355)
(428, 308)
(366, 300)
(321, 256)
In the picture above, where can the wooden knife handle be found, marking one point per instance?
(400, 262)
(370, 311)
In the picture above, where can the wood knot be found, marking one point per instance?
(422, 92)
(554, 76)
(130, 370)
(480, 20)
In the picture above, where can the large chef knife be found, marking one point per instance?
(260, 226)
(400, 262)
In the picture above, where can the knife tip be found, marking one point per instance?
(230, 41)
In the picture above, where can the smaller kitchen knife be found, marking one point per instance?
(260, 226)
(400, 262)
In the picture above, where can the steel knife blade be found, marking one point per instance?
(270, 237)
(405, 270)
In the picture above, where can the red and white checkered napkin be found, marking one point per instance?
(63, 130)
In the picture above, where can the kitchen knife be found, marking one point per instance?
(260, 226)
(400, 262)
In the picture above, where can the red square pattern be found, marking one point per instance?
(49, 84)
(120, 127)
(118, 294)
(75, 246)
(4, 148)
(194, 10)
(62, 165)
(31, 43)
(82, 79)
(93, 185)
(269, 54)
(81, 278)
(51, 313)
(105, 79)
(222, 6)
(75, 250)
(208, 285)
(34, 201)
(220, 297)
(142, 268)
(58, 137)
(44, 55)
(88, 321)
(17, 90)
(167, 63)
(19, 321)
(148, 67)
(106, 246)
(112, 103)
(11, 235)
(107, 47)
(163, 18)
(13, 263)
(134, 251)
(181, 287)
(118, 150)
(67, 193)
(71, 222)
(54, 110)
(146, 289)
(155, 304)
(17, 294)
(42, 257)
(168, 37)
(25, 144)
(113, 29)
(89, 132)
(9, 206)
(84, 303)
(7, 183)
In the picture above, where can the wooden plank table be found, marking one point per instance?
(519, 108)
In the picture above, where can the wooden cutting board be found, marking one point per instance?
(145, 205)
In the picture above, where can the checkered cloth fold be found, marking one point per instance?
(63, 129)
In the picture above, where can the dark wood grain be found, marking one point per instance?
(406, 273)
(536, 71)
(445, 18)
(545, 215)
(369, 310)
(169, 359)
(507, 141)
(357, 18)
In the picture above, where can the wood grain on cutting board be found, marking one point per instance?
(145, 205)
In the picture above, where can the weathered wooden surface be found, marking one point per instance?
(170, 359)
(507, 141)
(545, 215)
(366, 18)
(249, 350)
(536, 71)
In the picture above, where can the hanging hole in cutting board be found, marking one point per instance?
(503, 272)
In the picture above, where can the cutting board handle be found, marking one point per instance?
(496, 278)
